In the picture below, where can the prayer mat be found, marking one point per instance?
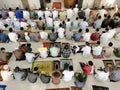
(48, 28)
(117, 62)
(58, 89)
(57, 5)
(109, 64)
(65, 63)
(46, 66)
(46, 44)
(99, 87)
(75, 88)
(97, 57)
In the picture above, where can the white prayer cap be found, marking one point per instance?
(76, 5)
(46, 8)
(5, 67)
(15, 19)
(54, 8)
(26, 33)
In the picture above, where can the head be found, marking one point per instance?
(70, 68)
(26, 9)
(90, 63)
(76, 18)
(99, 17)
(103, 7)
(84, 19)
(6, 25)
(43, 28)
(30, 50)
(21, 28)
(10, 29)
(87, 43)
(68, 19)
(110, 44)
(17, 8)
(2, 49)
(17, 69)
(87, 30)
(10, 9)
(35, 68)
(66, 46)
(40, 18)
(97, 30)
(109, 17)
(80, 30)
(98, 42)
(53, 30)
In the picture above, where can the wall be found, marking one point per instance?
(88, 3)
(11, 3)
(17, 3)
(35, 4)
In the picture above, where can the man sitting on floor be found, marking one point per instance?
(33, 75)
(97, 50)
(6, 73)
(102, 74)
(115, 74)
(54, 51)
(30, 56)
(4, 56)
(20, 74)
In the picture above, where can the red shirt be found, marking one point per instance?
(95, 36)
(87, 69)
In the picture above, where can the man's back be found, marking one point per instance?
(53, 36)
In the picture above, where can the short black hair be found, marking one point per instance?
(98, 42)
(2, 48)
(80, 30)
(99, 17)
(10, 9)
(53, 30)
(10, 29)
(35, 68)
(68, 19)
(6, 25)
(17, 8)
(87, 30)
(90, 63)
(40, 18)
(17, 69)
(26, 9)
(97, 29)
(84, 19)
(71, 68)
(21, 28)
(87, 43)
(110, 44)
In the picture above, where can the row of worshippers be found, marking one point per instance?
(87, 36)
(25, 52)
(101, 75)
(101, 16)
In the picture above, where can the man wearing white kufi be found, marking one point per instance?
(70, 12)
(75, 10)
(47, 13)
(55, 14)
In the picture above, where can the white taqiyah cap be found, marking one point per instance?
(76, 5)
(5, 67)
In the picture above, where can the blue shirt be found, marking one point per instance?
(77, 36)
(3, 37)
(19, 14)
